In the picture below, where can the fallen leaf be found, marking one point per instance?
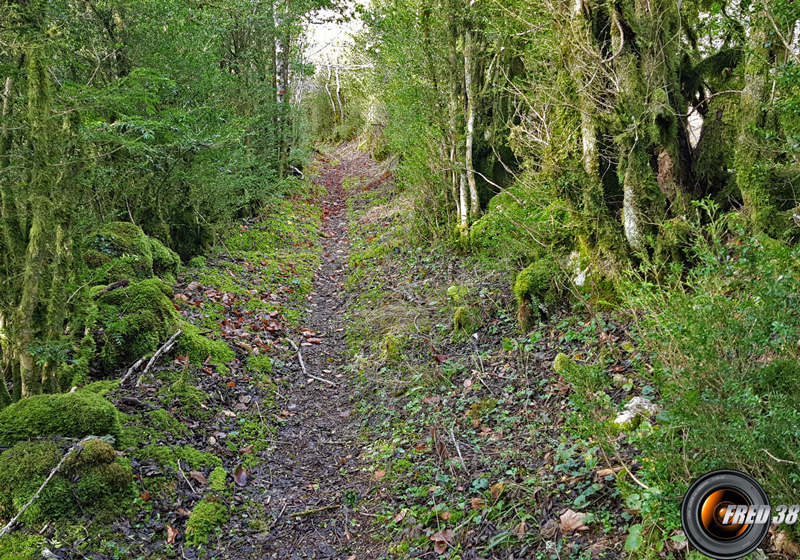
(240, 476)
(246, 450)
(520, 529)
(550, 529)
(182, 512)
(467, 383)
(193, 286)
(571, 520)
(146, 496)
(400, 516)
(445, 515)
(441, 540)
(441, 358)
(314, 340)
(497, 489)
(379, 474)
(478, 503)
(199, 477)
(231, 384)
(182, 297)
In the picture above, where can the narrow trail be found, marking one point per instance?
(316, 476)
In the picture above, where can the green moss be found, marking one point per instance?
(536, 290)
(217, 480)
(165, 261)
(206, 517)
(674, 240)
(21, 546)
(198, 347)
(165, 423)
(128, 241)
(197, 262)
(464, 320)
(260, 363)
(136, 321)
(95, 259)
(77, 415)
(95, 479)
(101, 388)
(562, 363)
(188, 397)
(168, 456)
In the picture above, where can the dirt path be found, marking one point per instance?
(316, 476)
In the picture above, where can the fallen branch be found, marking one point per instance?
(774, 458)
(9, 527)
(313, 511)
(303, 364)
(166, 347)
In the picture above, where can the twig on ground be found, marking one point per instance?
(9, 527)
(183, 474)
(166, 347)
(313, 511)
(458, 450)
(774, 458)
(303, 364)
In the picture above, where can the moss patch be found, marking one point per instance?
(199, 347)
(21, 546)
(168, 456)
(206, 517)
(77, 415)
(217, 480)
(95, 479)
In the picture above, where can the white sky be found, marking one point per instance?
(327, 41)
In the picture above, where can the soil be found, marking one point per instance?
(315, 470)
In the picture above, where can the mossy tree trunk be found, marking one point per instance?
(590, 50)
(754, 175)
(653, 149)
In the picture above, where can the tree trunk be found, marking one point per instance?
(475, 206)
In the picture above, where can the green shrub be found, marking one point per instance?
(726, 338)
(76, 415)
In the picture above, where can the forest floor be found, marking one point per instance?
(400, 412)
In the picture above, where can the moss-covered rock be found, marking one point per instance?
(165, 261)
(135, 321)
(94, 480)
(209, 514)
(21, 546)
(77, 415)
(124, 252)
(537, 291)
(199, 347)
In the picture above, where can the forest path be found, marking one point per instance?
(317, 477)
